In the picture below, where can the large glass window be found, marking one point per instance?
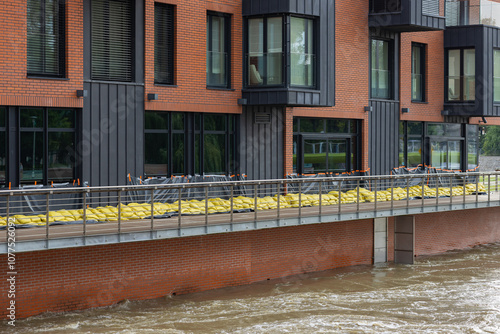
(265, 51)
(3, 147)
(112, 40)
(302, 55)
(446, 145)
(410, 144)
(381, 62)
(218, 37)
(45, 38)
(324, 145)
(496, 76)
(47, 142)
(472, 146)
(188, 143)
(418, 72)
(461, 75)
(164, 44)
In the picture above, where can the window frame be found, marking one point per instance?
(61, 43)
(496, 51)
(46, 131)
(352, 139)
(106, 59)
(390, 66)
(169, 48)
(3, 130)
(227, 47)
(462, 75)
(194, 161)
(423, 73)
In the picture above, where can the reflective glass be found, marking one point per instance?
(337, 159)
(469, 75)
(312, 125)
(178, 121)
(31, 156)
(156, 120)
(454, 154)
(156, 154)
(414, 152)
(302, 55)
(214, 153)
(496, 76)
(61, 119)
(178, 154)
(315, 156)
(439, 154)
(454, 75)
(214, 122)
(31, 118)
(337, 126)
(60, 156)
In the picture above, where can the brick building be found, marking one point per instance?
(94, 90)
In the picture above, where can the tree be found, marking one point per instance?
(491, 145)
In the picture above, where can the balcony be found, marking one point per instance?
(460, 13)
(406, 15)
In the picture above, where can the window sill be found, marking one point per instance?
(221, 88)
(383, 100)
(166, 85)
(45, 78)
(419, 102)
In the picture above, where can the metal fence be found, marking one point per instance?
(51, 213)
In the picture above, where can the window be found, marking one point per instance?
(266, 59)
(47, 143)
(472, 146)
(325, 145)
(385, 6)
(496, 76)
(445, 145)
(112, 40)
(381, 63)
(418, 72)
(410, 144)
(164, 44)
(45, 38)
(3, 147)
(218, 37)
(461, 75)
(301, 52)
(188, 143)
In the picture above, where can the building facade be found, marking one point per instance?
(96, 90)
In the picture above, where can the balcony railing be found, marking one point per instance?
(464, 13)
(59, 218)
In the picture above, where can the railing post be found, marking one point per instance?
(437, 191)
(206, 209)
(489, 189)
(47, 222)
(408, 191)
(152, 209)
(179, 209)
(357, 205)
(255, 202)
(340, 197)
(232, 203)
(320, 197)
(85, 213)
(477, 188)
(119, 214)
(423, 193)
(375, 198)
(300, 200)
(451, 190)
(464, 188)
(279, 197)
(392, 194)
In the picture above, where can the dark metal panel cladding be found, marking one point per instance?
(113, 134)
(122, 130)
(383, 136)
(95, 134)
(103, 134)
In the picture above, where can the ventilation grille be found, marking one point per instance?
(262, 117)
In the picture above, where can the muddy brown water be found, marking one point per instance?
(456, 292)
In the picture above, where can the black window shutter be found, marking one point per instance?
(112, 40)
(45, 37)
(164, 44)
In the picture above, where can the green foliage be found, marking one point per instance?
(491, 141)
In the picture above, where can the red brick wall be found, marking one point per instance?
(437, 233)
(18, 90)
(190, 93)
(77, 278)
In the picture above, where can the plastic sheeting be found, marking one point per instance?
(165, 195)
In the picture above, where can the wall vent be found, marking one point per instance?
(262, 117)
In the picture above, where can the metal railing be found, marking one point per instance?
(54, 213)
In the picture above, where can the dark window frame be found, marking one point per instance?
(168, 46)
(227, 47)
(423, 71)
(315, 43)
(353, 142)
(100, 54)
(46, 131)
(61, 45)
(3, 130)
(462, 75)
(496, 50)
(391, 69)
(194, 162)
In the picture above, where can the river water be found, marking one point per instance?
(457, 292)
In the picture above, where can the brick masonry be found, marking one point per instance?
(79, 278)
